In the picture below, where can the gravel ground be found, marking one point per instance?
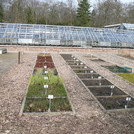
(88, 117)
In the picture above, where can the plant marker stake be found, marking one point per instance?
(19, 57)
(85, 70)
(128, 99)
(50, 97)
(72, 56)
(112, 88)
(74, 59)
(77, 62)
(81, 65)
(99, 80)
(45, 86)
(91, 72)
(46, 72)
(45, 67)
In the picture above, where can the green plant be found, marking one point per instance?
(109, 106)
(37, 82)
(79, 71)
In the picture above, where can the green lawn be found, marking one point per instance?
(127, 76)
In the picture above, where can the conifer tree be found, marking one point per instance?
(29, 16)
(1, 13)
(83, 13)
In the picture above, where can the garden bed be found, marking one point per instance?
(107, 95)
(95, 82)
(105, 91)
(37, 95)
(84, 75)
(117, 69)
(115, 103)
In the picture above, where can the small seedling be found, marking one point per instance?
(99, 78)
(91, 72)
(112, 88)
(50, 97)
(128, 99)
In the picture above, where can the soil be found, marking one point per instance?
(79, 71)
(115, 103)
(106, 91)
(96, 82)
(80, 75)
(78, 67)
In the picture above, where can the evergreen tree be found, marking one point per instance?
(83, 13)
(1, 13)
(29, 16)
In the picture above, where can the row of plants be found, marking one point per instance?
(37, 97)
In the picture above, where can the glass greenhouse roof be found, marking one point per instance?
(54, 32)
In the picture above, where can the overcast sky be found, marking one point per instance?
(123, 1)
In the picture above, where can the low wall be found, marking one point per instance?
(56, 49)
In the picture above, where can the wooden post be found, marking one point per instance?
(19, 57)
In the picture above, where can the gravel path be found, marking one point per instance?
(88, 117)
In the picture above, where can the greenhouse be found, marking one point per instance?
(53, 35)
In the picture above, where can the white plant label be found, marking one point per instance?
(99, 77)
(91, 72)
(46, 78)
(112, 86)
(128, 99)
(45, 86)
(46, 72)
(50, 96)
(45, 67)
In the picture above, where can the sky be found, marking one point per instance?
(123, 1)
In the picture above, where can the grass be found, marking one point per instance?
(54, 82)
(127, 76)
(42, 105)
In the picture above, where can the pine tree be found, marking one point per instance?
(29, 16)
(1, 13)
(83, 13)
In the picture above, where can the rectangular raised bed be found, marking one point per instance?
(95, 82)
(106, 91)
(36, 99)
(112, 103)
